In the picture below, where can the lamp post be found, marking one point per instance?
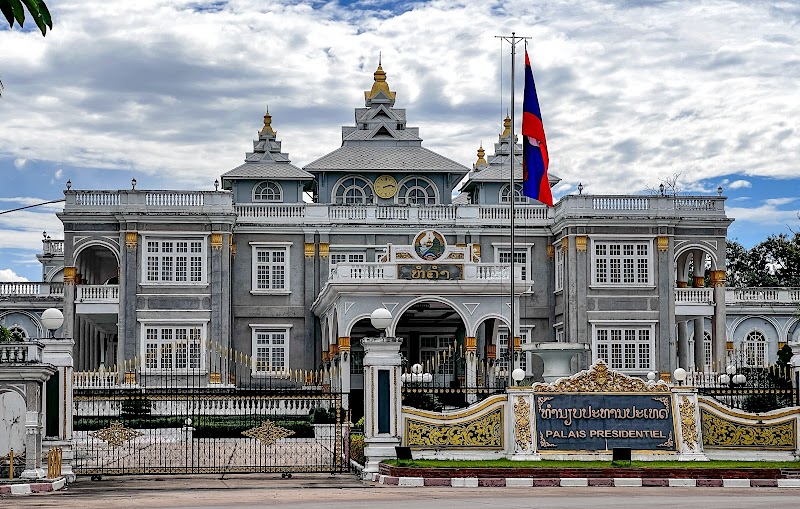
(381, 319)
(52, 319)
(518, 374)
(680, 375)
(730, 377)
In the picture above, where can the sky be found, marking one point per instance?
(172, 93)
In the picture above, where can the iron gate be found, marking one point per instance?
(286, 423)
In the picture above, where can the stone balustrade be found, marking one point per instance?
(132, 201)
(53, 247)
(31, 289)
(762, 296)
(640, 206)
(97, 293)
(694, 295)
(379, 271)
(21, 352)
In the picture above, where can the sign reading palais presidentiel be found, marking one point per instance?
(597, 410)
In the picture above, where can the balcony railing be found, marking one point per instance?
(451, 215)
(640, 206)
(763, 296)
(378, 271)
(694, 295)
(53, 247)
(100, 379)
(31, 289)
(148, 201)
(21, 352)
(106, 294)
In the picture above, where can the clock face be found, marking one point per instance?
(385, 186)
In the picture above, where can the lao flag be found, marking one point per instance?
(534, 145)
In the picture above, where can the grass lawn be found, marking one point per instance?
(506, 463)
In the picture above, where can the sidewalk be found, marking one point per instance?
(32, 487)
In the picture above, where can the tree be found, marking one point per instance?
(13, 11)
(773, 262)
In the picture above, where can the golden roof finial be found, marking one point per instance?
(481, 162)
(380, 84)
(507, 126)
(267, 124)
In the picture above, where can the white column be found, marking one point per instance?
(382, 400)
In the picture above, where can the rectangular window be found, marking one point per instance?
(169, 261)
(502, 348)
(347, 258)
(559, 269)
(520, 259)
(621, 263)
(626, 348)
(270, 350)
(270, 267)
(173, 349)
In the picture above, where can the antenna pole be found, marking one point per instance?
(513, 40)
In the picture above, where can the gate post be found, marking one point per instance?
(382, 400)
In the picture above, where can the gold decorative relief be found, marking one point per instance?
(324, 249)
(543, 443)
(309, 249)
(663, 243)
(699, 281)
(131, 239)
(216, 241)
(522, 423)
(718, 278)
(484, 432)
(470, 343)
(476, 253)
(69, 275)
(580, 243)
(344, 343)
(598, 378)
(403, 256)
(720, 433)
(455, 256)
(551, 251)
(268, 433)
(565, 244)
(116, 434)
(688, 424)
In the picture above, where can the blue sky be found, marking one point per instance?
(172, 93)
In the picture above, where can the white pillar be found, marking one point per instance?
(382, 400)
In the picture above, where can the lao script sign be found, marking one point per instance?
(597, 422)
(430, 272)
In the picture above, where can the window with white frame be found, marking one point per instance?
(268, 191)
(625, 347)
(559, 269)
(621, 263)
(706, 349)
(270, 349)
(437, 349)
(353, 190)
(518, 196)
(520, 258)
(560, 336)
(417, 191)
(174, 260)
(270, 268)
(347, 258)
(755, 348)
(172, 348)
(502, 349)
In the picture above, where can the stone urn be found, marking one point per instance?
(556, 357)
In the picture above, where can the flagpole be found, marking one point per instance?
(513, 40)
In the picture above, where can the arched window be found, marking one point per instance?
(417, 191)
(518, 196)
(18, 333)
(353, 191)
(268, 191)
(707, 347)
(755, 348)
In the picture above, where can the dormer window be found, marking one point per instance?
(353, 191)
(518, 196)
(417, 191)
(268, 191)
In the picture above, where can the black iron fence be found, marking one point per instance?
(751, 388)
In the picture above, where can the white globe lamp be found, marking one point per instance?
(52, 319)
(518, 374)
(381, 319)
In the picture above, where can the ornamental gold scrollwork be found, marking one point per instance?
(522, 423)
(688, 423)
(116, 434)
(483, 432)
(403, 256)
(722, 434)
(268, 433)
(598, 378)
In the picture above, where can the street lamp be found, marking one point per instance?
(52, 319)
(730, 376)
(680, 375)
(381, 319)
(518, 374)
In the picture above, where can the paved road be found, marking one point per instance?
(345, 492)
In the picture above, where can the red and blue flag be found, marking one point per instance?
(534, 144)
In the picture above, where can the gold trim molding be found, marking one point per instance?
(551, 251)
(580, 243)
(69, 275)
(718, 278)
(309, 249)
(699, 282)
(721, 433)
(470, 343)
(324, 249)
(216, 241)
(564, 244)
(663, 243)
(344, 343)
(599, 378)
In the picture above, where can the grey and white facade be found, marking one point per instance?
(285, 264)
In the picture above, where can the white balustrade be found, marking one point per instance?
(392, 213)
(97, 198)
(694, 295)
(348, 212)
(273, 211)
(97, 293)
(758, 296)
(620, 203)
(20, 288)
(20, 352)
(174, 199)
(53, 247)
(100, 379)
(492, 272)
(695, 203)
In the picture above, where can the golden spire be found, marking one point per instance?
(481, 162)
(507, 126)
(380, 85)
(267, 125)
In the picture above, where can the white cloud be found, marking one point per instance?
(739, 184)
(59, 172)
(779, 201)
(8, 275)
(765, 215)
(19, 163)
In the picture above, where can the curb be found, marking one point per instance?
(529, 482)
(36, 487)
